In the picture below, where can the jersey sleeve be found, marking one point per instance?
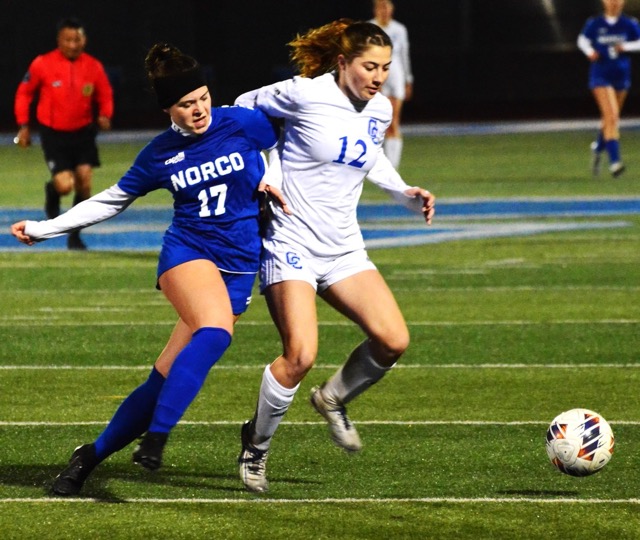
(258, 128)
(26, 91)
(587, 39)
(98, 208)
(634, 29)
(273, 172)
(104, 92)
(279, 100)
(141, 178)
(584, 44)
(389, 180)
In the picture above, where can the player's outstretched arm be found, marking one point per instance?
(98, 208)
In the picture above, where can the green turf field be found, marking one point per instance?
(506, 333)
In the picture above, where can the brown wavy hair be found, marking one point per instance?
(317, 51)
(165, 60)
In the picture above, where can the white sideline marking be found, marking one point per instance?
(46, 320)
(336, 366)
(400, 275)
(329, 500)
(323, 423)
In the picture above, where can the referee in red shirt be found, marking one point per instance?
(75, 98)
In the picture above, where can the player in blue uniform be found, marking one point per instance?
(210, 160)
(606, 40)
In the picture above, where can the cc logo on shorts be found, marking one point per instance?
(294, 260)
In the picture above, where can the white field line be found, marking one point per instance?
(583, 365)
(236, 423)
(395, 276)
(330, 500)
(48, 320)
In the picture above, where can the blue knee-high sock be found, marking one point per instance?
(187, 375)
(599, 142)
(132, 417)
(613, 149)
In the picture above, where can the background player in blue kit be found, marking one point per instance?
(606, 40)
(210, 160)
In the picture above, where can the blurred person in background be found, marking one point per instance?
(606, 41)
(210, 161)
(71, 87)
(399, 84)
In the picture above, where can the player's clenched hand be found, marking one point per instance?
(275, 194)
(104, 123)
(428, 202)
(23, 138)
(17, 230)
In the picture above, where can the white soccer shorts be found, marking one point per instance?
(281, 262)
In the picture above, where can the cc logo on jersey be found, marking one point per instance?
(373, 130)
(294, 260)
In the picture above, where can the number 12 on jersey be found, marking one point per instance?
(355, 162)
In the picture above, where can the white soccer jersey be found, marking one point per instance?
(400, 59)
(329, 147)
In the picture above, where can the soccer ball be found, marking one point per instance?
(579, 442)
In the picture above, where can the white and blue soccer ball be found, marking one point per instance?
(579, 442)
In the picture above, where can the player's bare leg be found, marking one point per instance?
(293, 309)
(609, 103)
(366, 299)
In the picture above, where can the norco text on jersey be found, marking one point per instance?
(210, 170)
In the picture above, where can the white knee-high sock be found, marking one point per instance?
(273, 403)
(359, 372)
(393, 150)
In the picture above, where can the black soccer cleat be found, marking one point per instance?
(71, 479)
(51, 200)
(148, 453)
(616, 169)
(75, 243)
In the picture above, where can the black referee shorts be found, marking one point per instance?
(65, 150)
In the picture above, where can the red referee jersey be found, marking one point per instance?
(68, 91)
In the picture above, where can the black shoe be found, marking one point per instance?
(74, 242)
(148, 453)
(51, 200)
(616, 169)
(82, 462)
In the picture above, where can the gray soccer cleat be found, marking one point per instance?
(343, 432)
(253, 463)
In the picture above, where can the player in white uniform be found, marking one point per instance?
(334, 125)
(399, 85)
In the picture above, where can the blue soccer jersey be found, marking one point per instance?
(213, 179)
(612, 67)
